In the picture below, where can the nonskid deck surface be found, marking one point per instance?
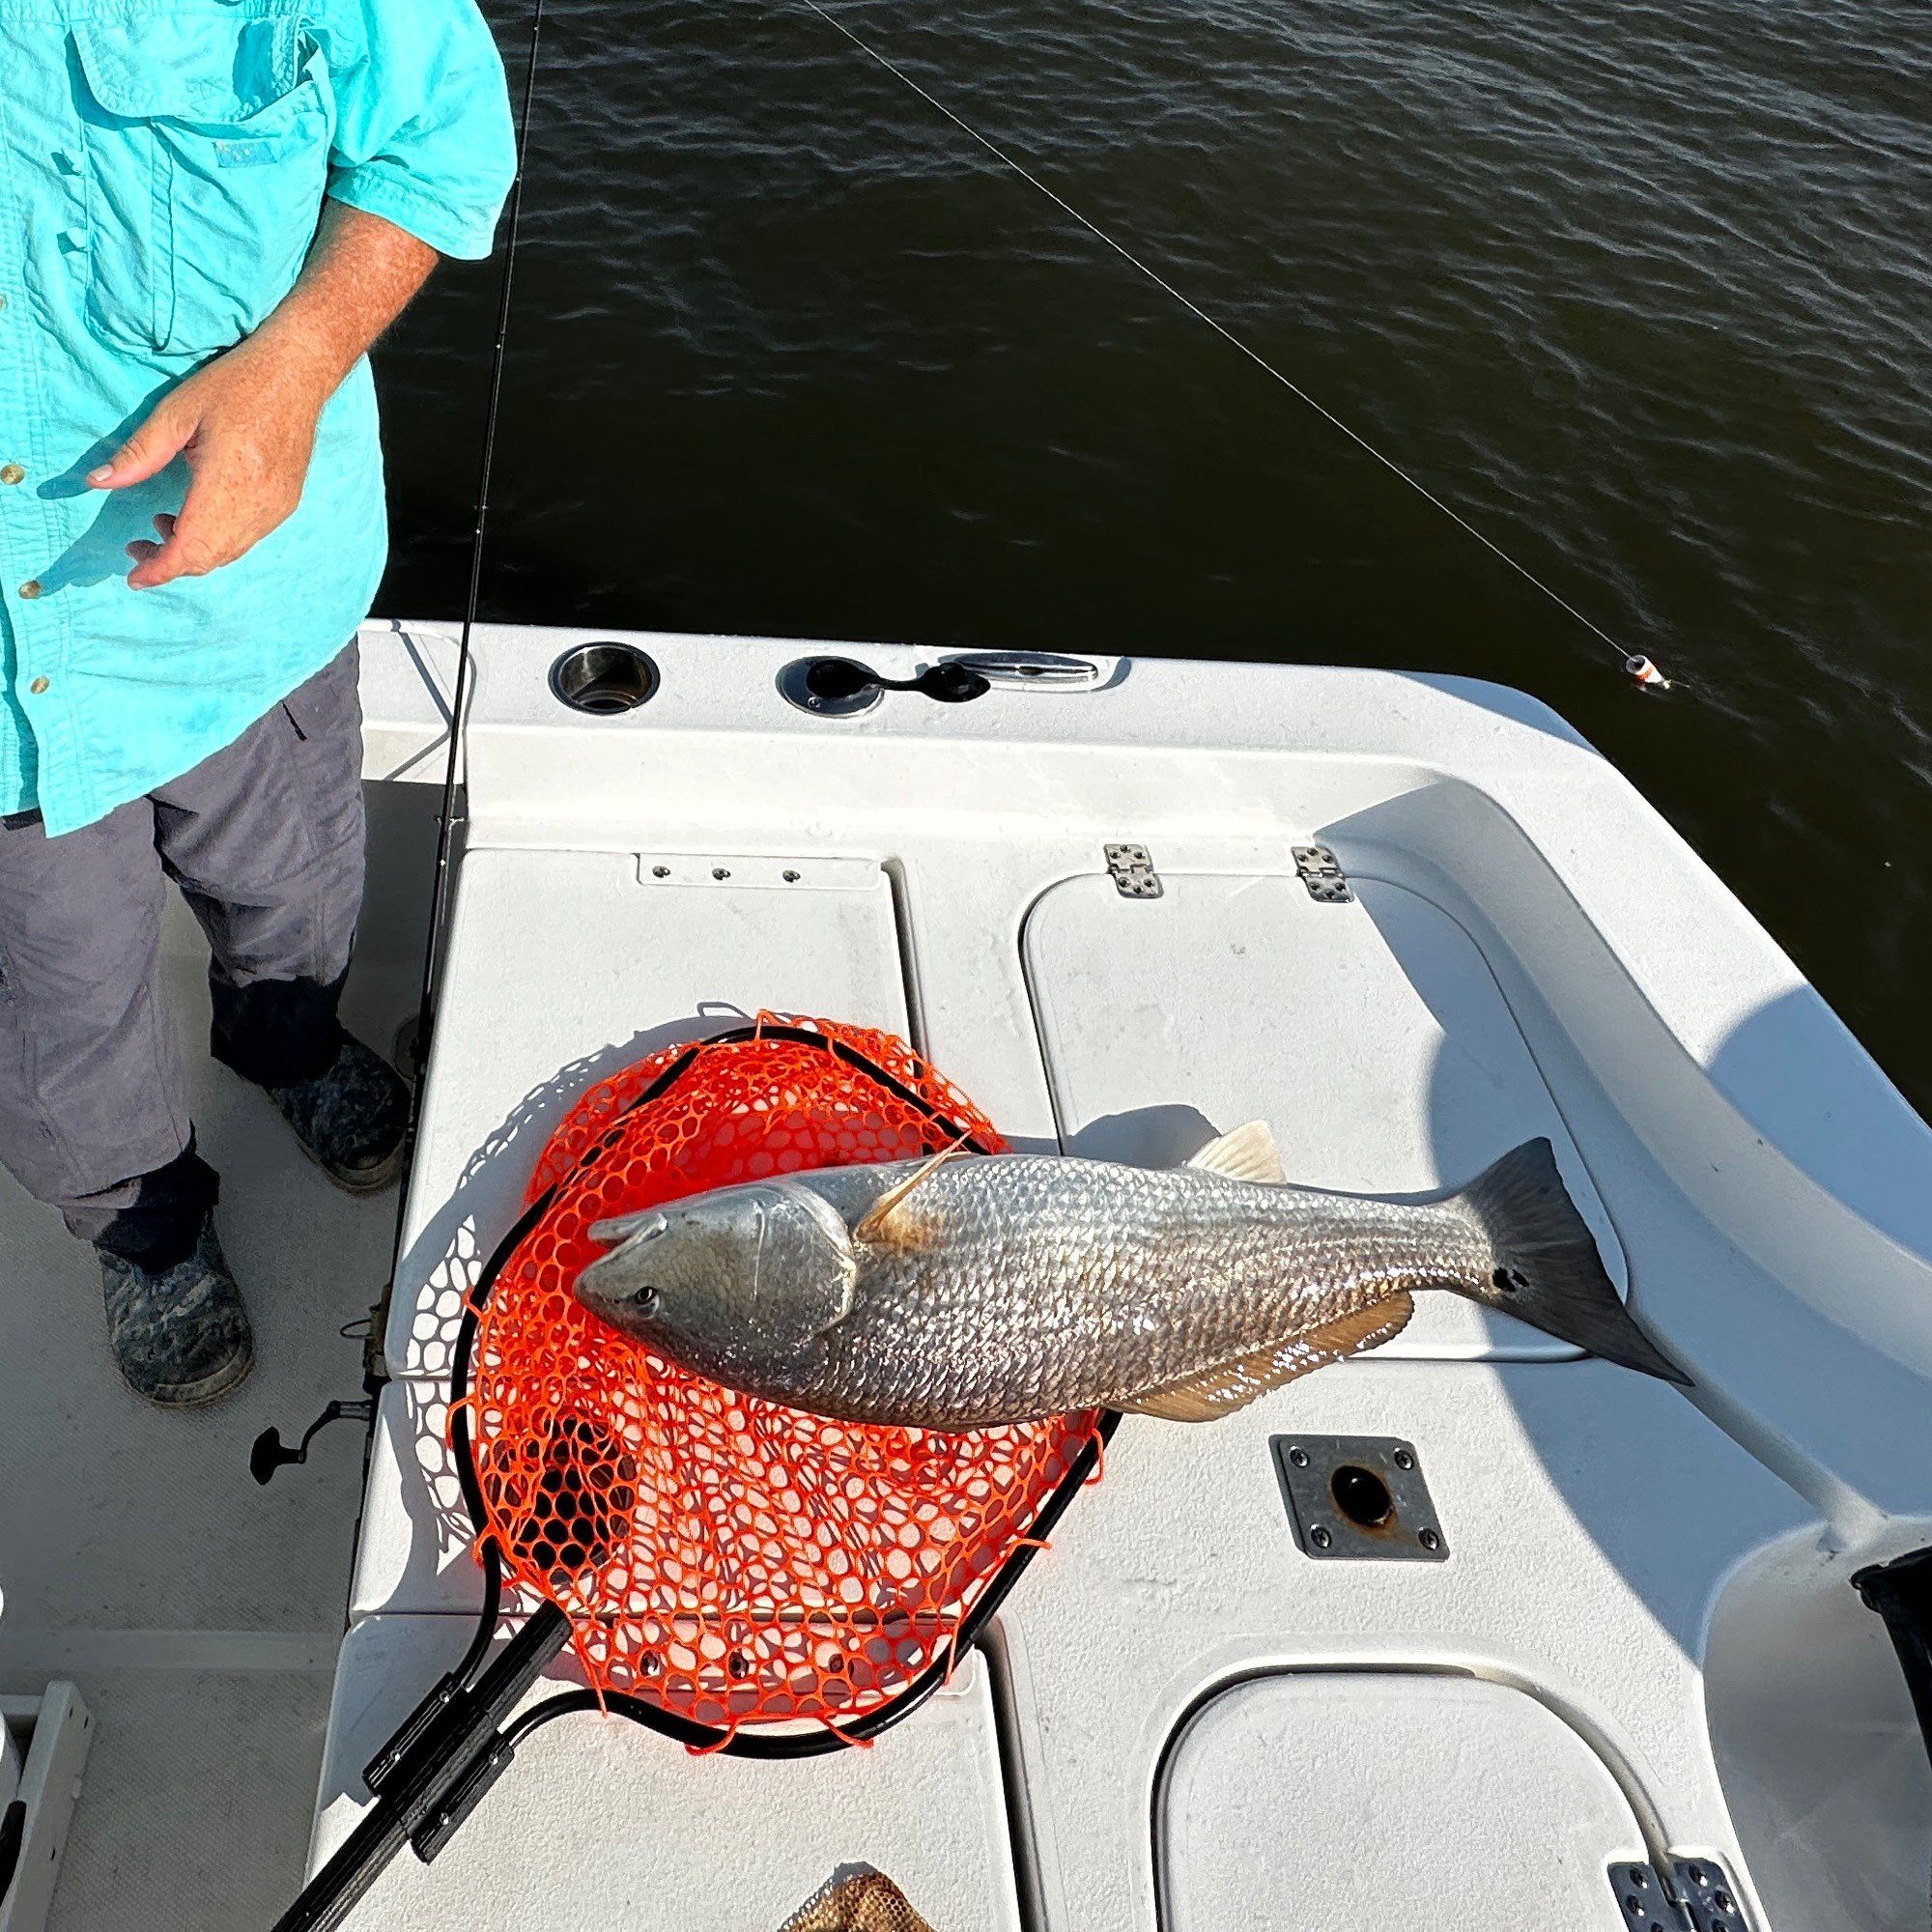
(1181, 1714)
(199, 1614)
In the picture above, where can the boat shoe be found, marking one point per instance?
(352, 1119)
(179, 1334)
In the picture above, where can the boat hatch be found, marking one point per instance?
(1277, 1812)
(1368, 1031)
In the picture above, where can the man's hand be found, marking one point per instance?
(246, 422)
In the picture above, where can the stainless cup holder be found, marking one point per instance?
(603, 679)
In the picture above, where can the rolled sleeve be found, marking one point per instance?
(423, 135)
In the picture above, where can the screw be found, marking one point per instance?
(660, 871)
(1639, 1879)
(1300, 1457)
(1429, 1539)
(1694, 1873)
(1319, 1536)
(721, 872)
(791, 877)
(1402, 1460)
(1721, 1900)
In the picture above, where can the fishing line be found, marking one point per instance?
(1639, 668)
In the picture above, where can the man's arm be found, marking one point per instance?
(247, 420)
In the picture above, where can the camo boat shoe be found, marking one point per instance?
(179, 1334)
(353, 1120)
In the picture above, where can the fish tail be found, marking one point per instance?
(1547, 1271)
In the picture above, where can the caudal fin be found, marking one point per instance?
(1547, 1271)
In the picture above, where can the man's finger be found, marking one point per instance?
(200, 539)
(152, 447)
(141, 550)
(179, 556)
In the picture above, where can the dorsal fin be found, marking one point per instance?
(1244, 1153)
(1227, 1386)
(876, 1226)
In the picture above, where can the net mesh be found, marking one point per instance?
(726, 1558)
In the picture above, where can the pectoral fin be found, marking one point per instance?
(877, 1226)
(839, 1278)
(1227, 1386)
(1244, 1153)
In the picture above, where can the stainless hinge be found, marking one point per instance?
(1322, 874)
(1132, 872)
(1695, 1897)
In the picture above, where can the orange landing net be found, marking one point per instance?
(727, 1560)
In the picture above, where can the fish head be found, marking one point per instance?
(760, 1269)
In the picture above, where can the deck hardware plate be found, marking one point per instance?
(1132, 872)
(1322, 874)
(1697, 1896)
(1356, 1497)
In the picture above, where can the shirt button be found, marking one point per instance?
(31, 588)
(11, 472)
(39, 685)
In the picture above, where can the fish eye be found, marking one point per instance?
(645, 1301)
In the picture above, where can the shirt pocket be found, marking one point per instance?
(206, 140)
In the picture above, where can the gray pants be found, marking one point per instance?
(266, 842)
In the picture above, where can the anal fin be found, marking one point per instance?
(1227, 1386)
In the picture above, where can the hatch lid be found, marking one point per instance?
(1329, 1800)
(1368, 1033)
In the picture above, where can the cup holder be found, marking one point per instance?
(603, 679)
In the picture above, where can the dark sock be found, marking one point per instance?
(278, 1033)
(163, 1225)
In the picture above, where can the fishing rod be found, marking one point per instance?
(420, 1798)
(269, 1453)
(459, 700)
(1633, 663)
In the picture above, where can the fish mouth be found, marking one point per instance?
(601, 1290)
(645, 1223)
(598, 1287)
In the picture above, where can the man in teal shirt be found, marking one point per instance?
(208, 210)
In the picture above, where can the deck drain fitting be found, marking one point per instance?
(1351, 1497)
(603, 679)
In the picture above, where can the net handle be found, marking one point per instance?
(691, 1732)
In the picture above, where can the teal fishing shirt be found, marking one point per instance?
(163, 165)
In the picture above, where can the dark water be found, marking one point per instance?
(1643, 288)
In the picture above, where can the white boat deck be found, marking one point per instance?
(1180, 1719)
(199, 1614)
